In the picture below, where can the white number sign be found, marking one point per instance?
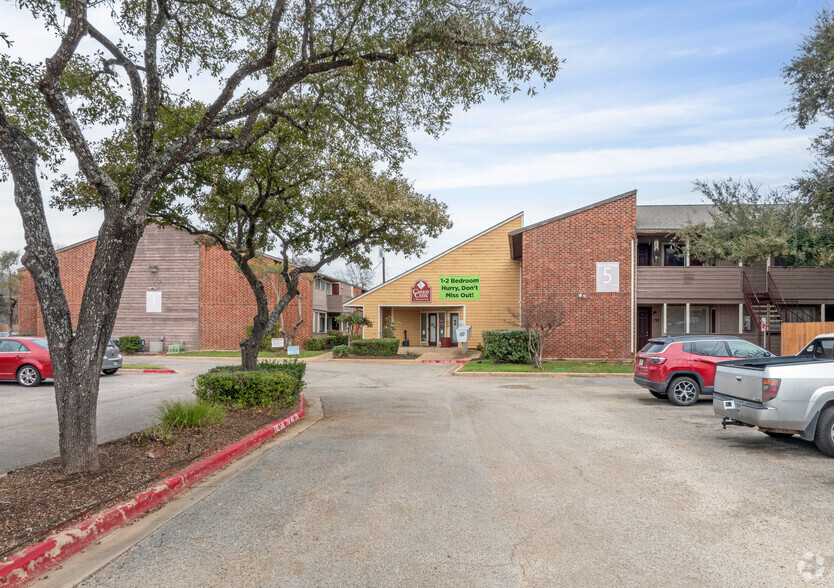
(608, 276)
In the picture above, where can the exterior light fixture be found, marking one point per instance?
(153, 268)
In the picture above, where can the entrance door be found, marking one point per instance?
(644, 326)
(433, 329)
(644, 254)
(453, 322)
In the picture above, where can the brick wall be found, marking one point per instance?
(227, 304)
(559, 263)
(74, 263)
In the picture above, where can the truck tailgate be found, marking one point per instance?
(739, 382)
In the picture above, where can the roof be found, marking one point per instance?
(672, 217)
(438, 256)
(516, 249)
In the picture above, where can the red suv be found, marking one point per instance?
(25, 359)
(682, 367)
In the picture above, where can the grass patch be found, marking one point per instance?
(262, 354)
(143, 366)
(184, 414)
(579, 367)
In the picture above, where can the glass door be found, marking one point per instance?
(453, 321)
(433, 329)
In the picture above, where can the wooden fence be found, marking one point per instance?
(795, 335)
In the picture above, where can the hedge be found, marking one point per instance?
(508, 345)
(332, 339)
(340, 351)
(378, 347)
(294, 367)
(130, 343)
(274, 385)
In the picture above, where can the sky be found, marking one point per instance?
(652, 96)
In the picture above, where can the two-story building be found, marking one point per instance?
(616, 272)
(178, 292)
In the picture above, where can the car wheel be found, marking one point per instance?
(28, 375)
(110, 371)
(824, 437)
(777, 435)
(657, 394)
(684, 391)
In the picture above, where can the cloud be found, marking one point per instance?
(589, 163)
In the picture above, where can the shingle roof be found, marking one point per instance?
(671, 217)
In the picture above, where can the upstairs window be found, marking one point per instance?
(673, 255)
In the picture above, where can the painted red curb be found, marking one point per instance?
(446, 361)
(36, 560)
(158, 372)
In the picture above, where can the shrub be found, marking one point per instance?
(334, 333)
(294, 367)
(508, 345)
(266, 344)
(340, 351)
(315, 344)
(130, 343)
(379, 347)
(182, 414)
(261, 387)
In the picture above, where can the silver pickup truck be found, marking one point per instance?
(783, 396)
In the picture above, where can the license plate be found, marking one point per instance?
(730, 405)
(641, 362)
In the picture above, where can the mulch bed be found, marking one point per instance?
(398, 356)
(38, 500)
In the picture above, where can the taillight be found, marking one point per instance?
(770, 388)
(656, 360)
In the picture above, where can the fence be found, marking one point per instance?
(795, 335)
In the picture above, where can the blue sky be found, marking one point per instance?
(652, 96)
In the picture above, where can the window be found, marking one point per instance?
(320, 322)
(745, 349)
(675, 319)
(9, 346)
(699, 319)
(672, 255)
(653, 347)
(709, 348)
(423, 327)
(321, 284)
(823, 349)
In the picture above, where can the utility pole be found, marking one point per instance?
(382, 255)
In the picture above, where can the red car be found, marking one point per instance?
(25, 359)
(682, 367)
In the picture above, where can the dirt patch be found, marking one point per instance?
(38, 500)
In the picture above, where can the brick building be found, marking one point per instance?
(178, 292)
(616, 269)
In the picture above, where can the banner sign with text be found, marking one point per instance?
(460, 287)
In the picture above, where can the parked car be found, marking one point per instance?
(682, 367)
(782, 396)
(26, 360)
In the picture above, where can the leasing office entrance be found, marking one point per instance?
(437, 324)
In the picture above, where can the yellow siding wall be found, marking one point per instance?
(487, 256)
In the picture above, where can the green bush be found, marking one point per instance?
(315, 344)
(334, 333)
(182, 414)
(332, 339)
(130, 343)
(261, 387)
(378, 347)
(294, 367)
(340, 351)
(266, 344)
(508, 345)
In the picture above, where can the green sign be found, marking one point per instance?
(460, 288)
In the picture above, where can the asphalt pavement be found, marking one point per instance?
(415, 478)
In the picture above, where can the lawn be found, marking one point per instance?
(262, 354)
(581, 367)
(142, 366)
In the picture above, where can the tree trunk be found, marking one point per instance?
(297, 324)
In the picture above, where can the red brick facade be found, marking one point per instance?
(559, 267)
(227, 305)
(74, 263)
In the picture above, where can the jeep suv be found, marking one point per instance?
(682, 367)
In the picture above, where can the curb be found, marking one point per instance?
(457, 372)
(38, 559)
(446, 361)
(159, 372)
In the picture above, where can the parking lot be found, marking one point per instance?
(412, 477)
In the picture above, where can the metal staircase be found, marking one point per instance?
(772, 306)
